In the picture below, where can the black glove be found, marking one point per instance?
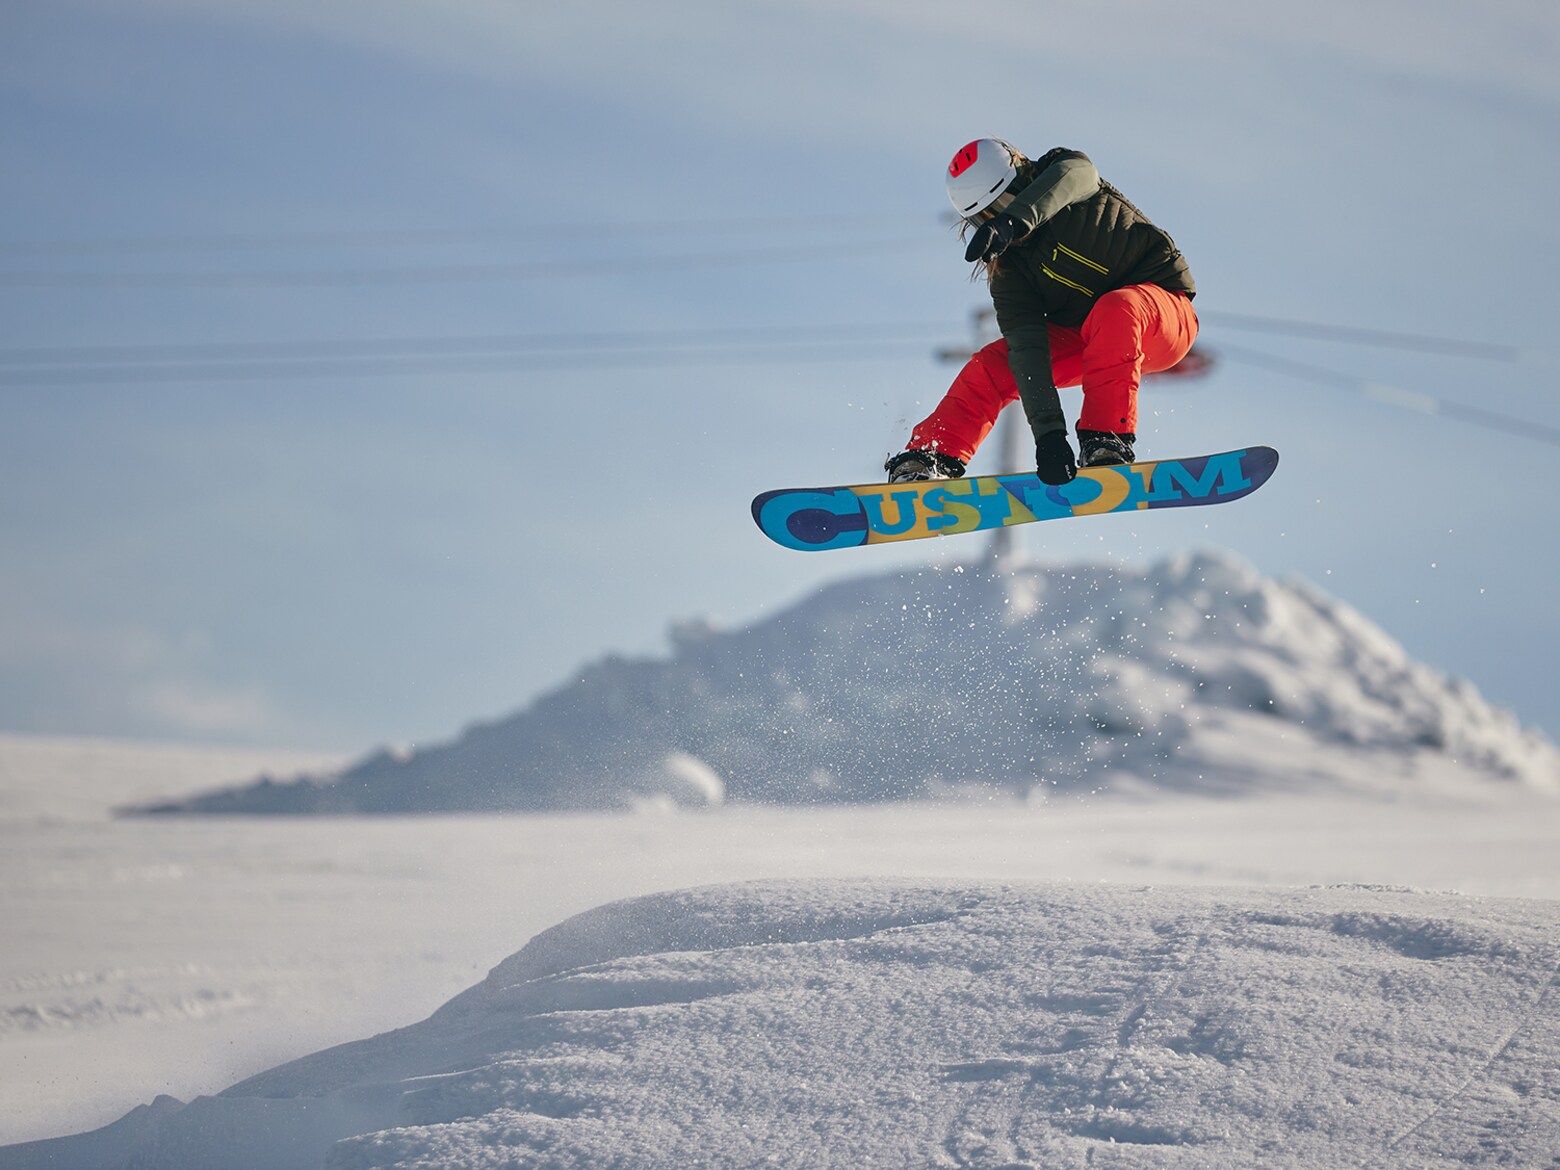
(992, 238)
(1054, 461)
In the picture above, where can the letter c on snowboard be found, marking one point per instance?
(812, 521)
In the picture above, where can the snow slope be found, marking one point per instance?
(47, 779)
(895, 1023)
(900, 685)
(146, 956)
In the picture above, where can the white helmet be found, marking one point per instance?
(980, 173)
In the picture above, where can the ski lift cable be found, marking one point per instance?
(392, 365)
(984, 323)
(546, 269)
(1379, 338)
(1396, 396)
(521, 270)
(215, 363)
(261, 241)
(459, 345)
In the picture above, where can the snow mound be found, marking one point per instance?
(903, 685)
(883, 1023)
(682, 781)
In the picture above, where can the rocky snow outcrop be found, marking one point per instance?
(901, 685)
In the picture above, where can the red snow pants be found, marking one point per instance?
(1129, 332)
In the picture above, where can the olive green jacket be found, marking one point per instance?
(1079, 239)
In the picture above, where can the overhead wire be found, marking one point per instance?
(1396, 396)
(572, 341)
(1377, 338)
(361, 358)
(79, 365)
(575, 266)
(419, 237)
(219, 361)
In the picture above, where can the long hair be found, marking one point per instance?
(981, 269)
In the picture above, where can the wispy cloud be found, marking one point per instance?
(200, 709)
(121, 678)
(905, 80)
(702, 45)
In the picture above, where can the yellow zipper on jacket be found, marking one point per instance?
(1088, 292)
(1066, 251)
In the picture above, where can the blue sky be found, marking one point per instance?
(249, 494)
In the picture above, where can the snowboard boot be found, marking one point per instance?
(914, 466)
(1104, 449)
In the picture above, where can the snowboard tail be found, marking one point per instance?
(813, 519)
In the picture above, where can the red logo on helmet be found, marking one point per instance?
(964, 159)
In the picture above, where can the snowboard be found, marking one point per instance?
(814, 519)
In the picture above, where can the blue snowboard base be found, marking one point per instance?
(813, 519)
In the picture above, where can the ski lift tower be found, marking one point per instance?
(1012, 429)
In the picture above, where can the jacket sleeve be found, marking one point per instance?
(1067, 177)
(1021, 318)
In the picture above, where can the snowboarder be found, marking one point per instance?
(1087, 292)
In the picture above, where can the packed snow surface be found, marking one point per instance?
(898, 1023)
(176, 956)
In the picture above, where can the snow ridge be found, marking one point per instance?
(905, 684)
(886, 1022)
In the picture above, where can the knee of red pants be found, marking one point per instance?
(1113, 362)
(969, 409)
(1142, 320)
(1174, 331)
(1131, 330)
